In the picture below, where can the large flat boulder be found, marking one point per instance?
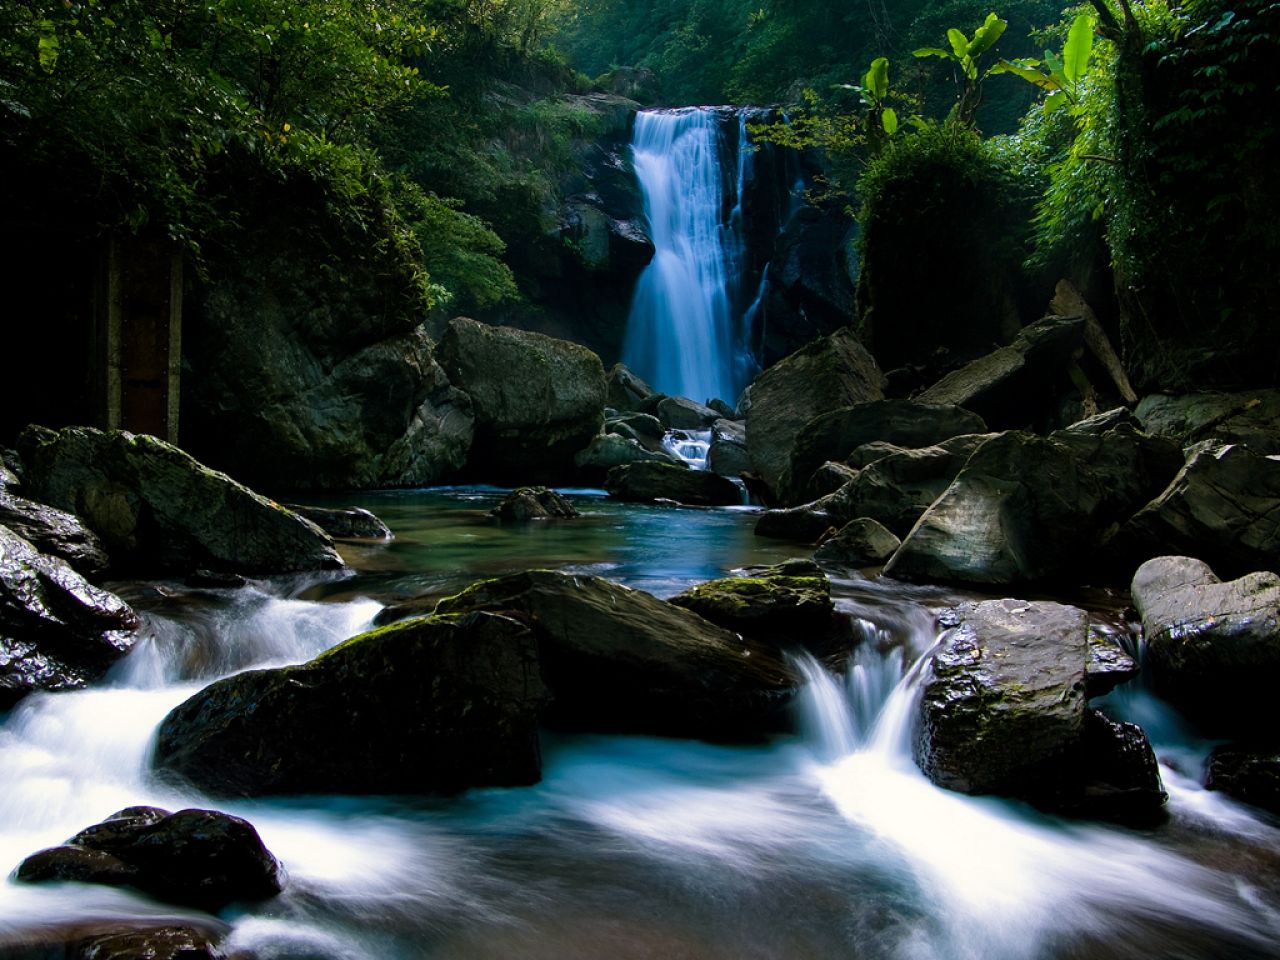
(1213, 648)
(831, 372)
(57, 630)
(157, 510)
(617, 659)
(537, 400)
(428, 705)
(646, 481)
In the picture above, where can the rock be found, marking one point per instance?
(833, 372)
(1119, 773)
(533, 503)
(430, 705)
(609, 450)
(869, 453)
(1108, 665)
(644, 427)
(622, 660)
(1251, 418)
(57, 630)
(1026, 508)
(1250, 774)
(54, 531)
(1008, 387)
(784, 609)
(804, 524)
(11, 469)
(119, 940)
(859, 543)
(537, 400)
(1213, 648)
(208, 579)
(834, 435)
(198, 858)
(344, 522)
(679, 413)
(1223, 506)
(727, 455)
(157, 510)
(1002, 710)
(624, 390)
(723, 409)
(827, 479)
(647, 481)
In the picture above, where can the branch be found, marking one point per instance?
(1110, 26)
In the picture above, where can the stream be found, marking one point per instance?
(825, 844)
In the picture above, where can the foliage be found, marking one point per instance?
(966, 54)
(1061, 75)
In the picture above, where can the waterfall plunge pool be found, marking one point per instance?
(824, 844)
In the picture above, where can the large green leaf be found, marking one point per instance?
(933, 52)
(1075, 55)
(877, 79)
(985, 37)
(47, 46)
(889, 120)
(1022, 68)
(959, 42)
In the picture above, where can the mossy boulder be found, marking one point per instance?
(537, 400)
(158, 510)
(429, 705)
(644, 482)
(618, 659)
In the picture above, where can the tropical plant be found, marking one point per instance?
(1062, 75)
(966, 55)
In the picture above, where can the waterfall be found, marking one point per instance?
(682, 334)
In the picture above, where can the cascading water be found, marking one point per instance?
(684, 334)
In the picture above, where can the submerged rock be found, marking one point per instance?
(643, 482)
(345, 522)
(617, 659)
(199, 858)
(533, 503)
(537, 400)
(1250, 774)
(54, 531)
(859, 543)
(1213, 648)
(428, 705)
(57, 630)
(158, 510)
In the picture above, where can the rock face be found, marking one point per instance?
(835, 371)
(1223, 507)
(621, 660)
(1028, 508)
(158, 510)
(424, 706)
(198, 858)
(537, 400)
(784, 607)
(834, 435)
(859, 543)
(1213, 648)
(1251, 418)
(57, 630)
(1250, 774)
(346, 522)
(645, 482)
(54, 531)
(533, 503)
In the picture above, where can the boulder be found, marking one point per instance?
(120, 940)
(1007, 387)
(1213, 648)
(57, 630)
(647, 481)
(10, 469)
(680, 413)
(728, 454)
(1251, 418)
(1109, 664)
(643, 427)
(1223, 506)
(827, 479)
(832, 372)
(804, 524)
(1119, 773)
(1250, 774)
(158, 510)
(722, 408)
(835, 434)
(859, 543)
(537, 400)
(198, 858)
(609, 450)
(784, 608)
(1026, 508)
(428, 705)
(624, 391)
(533, 503)
(622, 660)
(351, 523)
(54, 531)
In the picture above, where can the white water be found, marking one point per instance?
(827, 845)
(682, 335)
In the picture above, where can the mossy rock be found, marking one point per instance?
(784, 611)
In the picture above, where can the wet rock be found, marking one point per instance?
(644, 427)
(1109, 665)
(617, 659)
(345, 522)
(158, 510)
(123, 940)
(10, 469)
(832, 372)
(624, 390)
(57, 630)
(860, 543)
(1223, 506)
(609, 450)
(1118, 772)
(834, 435)
(54, 531)
(533, 503)
(1251, 418)
(679, 413)
(1249, 773)
(645, 482)
(1007, 387)
(537, 400)
(429, 705)
(1213, 648)
(728, 454)
(198, 858)
(778, 606)
(804, 524)
(208, 579)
